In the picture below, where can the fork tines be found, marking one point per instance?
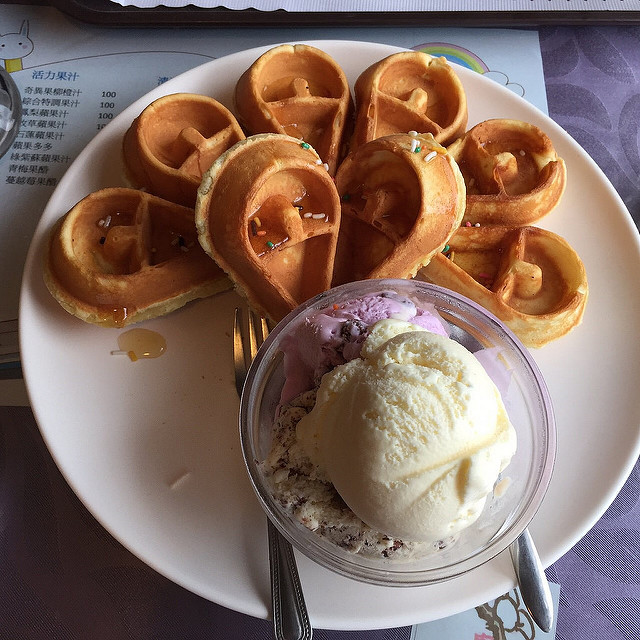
(246, 341)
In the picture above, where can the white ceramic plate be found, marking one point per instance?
(123, 433)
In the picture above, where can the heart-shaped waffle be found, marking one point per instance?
(120, 256)
(512, 172)
(174, 141)
(402, 197)
(299, 91)
(409, 91)
(528, 277)
(268, 212)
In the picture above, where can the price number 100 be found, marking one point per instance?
(107, 104)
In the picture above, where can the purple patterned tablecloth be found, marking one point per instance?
(593, 90)
(63, 577)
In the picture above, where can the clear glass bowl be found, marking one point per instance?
(504, 517)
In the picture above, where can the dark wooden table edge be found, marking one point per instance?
(107, 13)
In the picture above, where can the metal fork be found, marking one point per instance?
(289, 611)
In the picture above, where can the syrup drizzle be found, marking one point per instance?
(140, 343)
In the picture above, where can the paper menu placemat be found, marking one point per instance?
(505, 618)
(75, 78)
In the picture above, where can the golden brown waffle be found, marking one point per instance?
(402, 197)
(268, 212)
(120, 256)
(299, 91)
(512, 172)
(174, 141)
(528, 277)
(409, 91)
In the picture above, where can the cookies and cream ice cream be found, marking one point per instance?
(397, 448)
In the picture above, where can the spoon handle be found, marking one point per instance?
(290, 617)
(532, 581)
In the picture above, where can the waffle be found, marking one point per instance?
(528, 277)
(409, 91)
(402, 196)
(299, 91)
(120, 256)
(512, 172)
(174, 141)
(268, 212)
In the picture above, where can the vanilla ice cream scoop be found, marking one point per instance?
(413, 434)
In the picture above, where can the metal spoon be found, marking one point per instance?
(532, 581)
(290, 618)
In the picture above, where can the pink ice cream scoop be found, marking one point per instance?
(334, 335)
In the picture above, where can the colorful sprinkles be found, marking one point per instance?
(273, 245)
(315, 216)
(305, 145)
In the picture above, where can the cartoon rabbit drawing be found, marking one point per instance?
(15, 46)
